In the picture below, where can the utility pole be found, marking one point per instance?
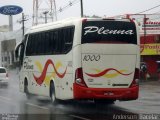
(22, 24)
(45, 14)
(22, 21)
(10, 23)
(144, 24)
(81, 8)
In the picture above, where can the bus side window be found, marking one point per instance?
(31, 45)
(56, 49)
(42, 43)
(21, 53)
(35, 40)
(38, 43)
(58, 41)
(47, 44)
(68, 35)
(61, 40)
(50, 43)
(28, 50)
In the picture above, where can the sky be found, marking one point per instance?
(101, 8)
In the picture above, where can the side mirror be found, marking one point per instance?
(17, 50)
(19, 53)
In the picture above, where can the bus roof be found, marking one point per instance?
(65, 22)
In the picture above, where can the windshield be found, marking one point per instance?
(2, 70)
(109, 32)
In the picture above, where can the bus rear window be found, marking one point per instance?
(109, 32)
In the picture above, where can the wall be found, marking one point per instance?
(6, 36)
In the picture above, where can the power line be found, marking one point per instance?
(157, 18)
(71, 3)
(148, 9)
(156, 12)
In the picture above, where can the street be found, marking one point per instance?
(14, 102)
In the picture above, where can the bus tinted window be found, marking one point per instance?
(109, 32)
(58, 41)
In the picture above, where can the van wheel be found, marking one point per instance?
(26, 89)
(52, 93)
(103, 101)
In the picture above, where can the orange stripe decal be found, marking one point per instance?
(41, 78)
(106, 71)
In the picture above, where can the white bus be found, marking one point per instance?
(84, 58)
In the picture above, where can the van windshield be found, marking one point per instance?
(109, 32)
(2, 70)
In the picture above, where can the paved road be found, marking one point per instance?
(14, 102)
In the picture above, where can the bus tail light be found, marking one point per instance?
(135, 81)
(84, 20)
(79, 77)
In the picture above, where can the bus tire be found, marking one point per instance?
(28, 95)
(52, 93)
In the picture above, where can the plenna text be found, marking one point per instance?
(102, 30)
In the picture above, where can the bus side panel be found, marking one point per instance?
(21, 80)
(24, 75)
(39, 85)
(64, 85)
(44, 69)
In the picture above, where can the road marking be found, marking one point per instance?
(79, 117)
(6, 101)
(14, 87)
(5, 98)
(37, 106)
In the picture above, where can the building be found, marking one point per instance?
(8, 41)
(149, 25)
(4, 28)
(149, 29)
(7, 52)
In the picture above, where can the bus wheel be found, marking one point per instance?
(52, 93)
(26, 89)
(103, 101)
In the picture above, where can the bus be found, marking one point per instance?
(81, 59)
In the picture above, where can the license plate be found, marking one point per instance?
(108, 93)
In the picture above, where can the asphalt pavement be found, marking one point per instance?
(14, 104)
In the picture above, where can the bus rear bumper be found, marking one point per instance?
(105, 93)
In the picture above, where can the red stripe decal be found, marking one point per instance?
(41, 78)
(106, 71)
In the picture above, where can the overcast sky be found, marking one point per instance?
(91, 7)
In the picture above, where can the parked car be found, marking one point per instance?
(3, 76)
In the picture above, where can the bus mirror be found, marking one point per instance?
(17, 50)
